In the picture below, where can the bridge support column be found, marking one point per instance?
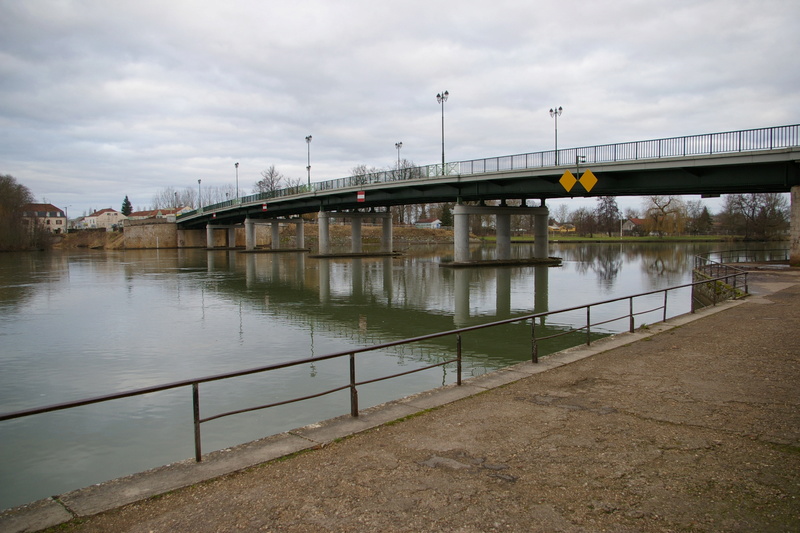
(355, 225)
(503, 236)
(249, 234)
(209, 236)
(386, 235)
(541, 246)
(300, 234)
(460, 234)
(275, 226)
(324, 233)
(231, 237)
(794, 221)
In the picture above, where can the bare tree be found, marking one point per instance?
(271, 181)
(761, 215)
(561, 214)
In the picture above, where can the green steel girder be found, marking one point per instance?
(699, 176)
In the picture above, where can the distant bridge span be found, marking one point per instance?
(759, 160)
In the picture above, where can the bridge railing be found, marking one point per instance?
(649, 302)
(772, 138)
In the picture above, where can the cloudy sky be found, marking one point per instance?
(101, 99)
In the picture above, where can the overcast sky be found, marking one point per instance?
(100, 99)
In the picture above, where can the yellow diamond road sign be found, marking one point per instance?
(588, 180)
(568, 181)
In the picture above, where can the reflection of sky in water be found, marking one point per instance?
(90, 323)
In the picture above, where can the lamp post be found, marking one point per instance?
(442, 98)
(555, 113)
(199, 195)
(237, 181)
(398, 146)
(308, 167)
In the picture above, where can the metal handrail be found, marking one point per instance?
(772, 138)
(353, 384)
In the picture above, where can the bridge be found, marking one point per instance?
(744, 161)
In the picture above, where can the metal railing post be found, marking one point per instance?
(196, 415)
(588, 325)
(631, 313)
(458, 359)
(534, 344)
(665, 305)
(353, 390)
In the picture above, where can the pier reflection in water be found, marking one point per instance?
(88, 323)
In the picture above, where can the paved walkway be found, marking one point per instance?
(689, 426)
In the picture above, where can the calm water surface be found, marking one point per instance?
(86, 323)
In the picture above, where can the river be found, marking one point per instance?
(76, 324)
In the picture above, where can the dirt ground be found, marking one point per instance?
(696, 429)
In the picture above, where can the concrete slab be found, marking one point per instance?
(443, 396)
(328, 431)
(122, 491)
(497, 379)
(34, 516)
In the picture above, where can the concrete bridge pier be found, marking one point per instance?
(503, 226)
(541, 243)
(249, 234)
(300, 233)
(324, 222)
(503, 232)
(460, 234)
(386, 234)
(355, 228)
(230, 235)
(794, 218)
(275, 227)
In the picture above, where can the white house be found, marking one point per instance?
(428, 223)
(105, 218)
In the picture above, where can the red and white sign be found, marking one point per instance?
(361, 196)
(263, 207)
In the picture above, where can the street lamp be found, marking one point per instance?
(199, 195)
(308, 167)
(555, 113)
(398, 146)
(442, 98)
(237, 181)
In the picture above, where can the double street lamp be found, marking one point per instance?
(308, 167)
(199, 195)
(398, 146)
(442, 98)
(555, 113)
(237, 181)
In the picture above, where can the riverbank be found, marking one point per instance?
(340, 235)
(690, 425)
